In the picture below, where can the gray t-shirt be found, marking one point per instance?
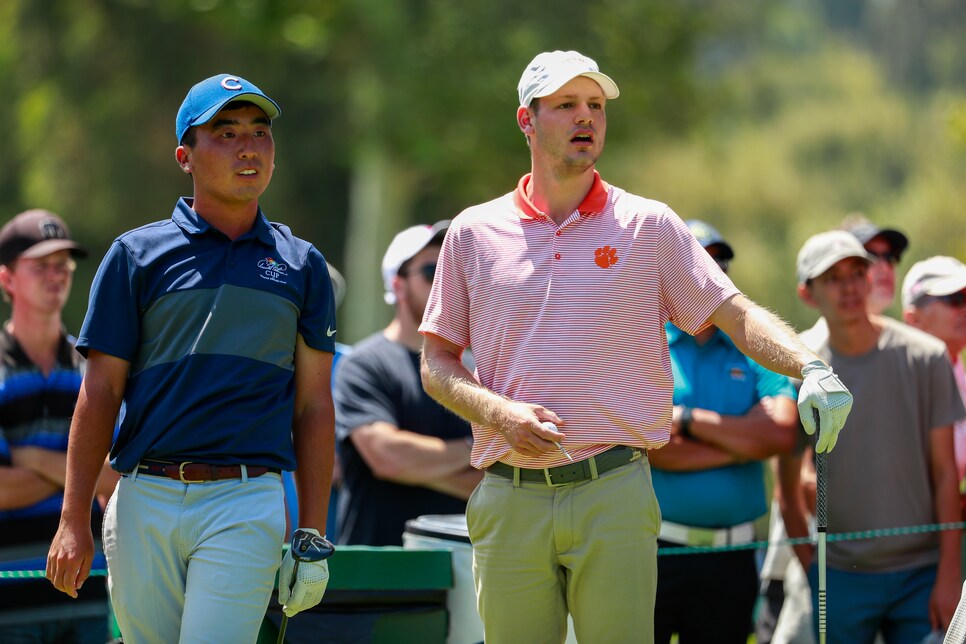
(879, 471)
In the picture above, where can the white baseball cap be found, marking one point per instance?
(939, 275)
(822, 251)
(551, 70)
(404, 247)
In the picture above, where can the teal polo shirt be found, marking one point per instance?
(716, 376)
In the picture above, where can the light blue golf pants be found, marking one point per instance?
(193, 562)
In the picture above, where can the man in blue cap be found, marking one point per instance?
(216, 330)
(729, 415)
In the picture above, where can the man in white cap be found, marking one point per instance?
(403, 454)
(563, 287)
(892, 467)
(934, 300)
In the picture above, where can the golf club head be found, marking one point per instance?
(310, 547)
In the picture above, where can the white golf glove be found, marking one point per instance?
(310, 550)
(822, 391)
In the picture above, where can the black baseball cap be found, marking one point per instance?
(865, 231)
(707, 235)
(36, 233)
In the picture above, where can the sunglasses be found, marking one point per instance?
(428, 271)
(722, 263)
(886, 256)
(955, 300)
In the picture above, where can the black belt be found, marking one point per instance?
(189, 472)
(571, 472)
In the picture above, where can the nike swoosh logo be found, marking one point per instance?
(329, 331)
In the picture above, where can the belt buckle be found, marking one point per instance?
(181, 474)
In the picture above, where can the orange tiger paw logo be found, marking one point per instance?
(605, 257)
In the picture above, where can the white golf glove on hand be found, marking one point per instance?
(823, 392)
(302, 587)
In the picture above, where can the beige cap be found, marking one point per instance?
(820, 252)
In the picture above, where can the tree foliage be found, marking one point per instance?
(771, 120)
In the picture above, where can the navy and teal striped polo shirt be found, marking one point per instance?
(209, 326)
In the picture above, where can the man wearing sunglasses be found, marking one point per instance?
(403, 454)
(934, 300)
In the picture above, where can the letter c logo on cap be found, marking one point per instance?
(231, 83)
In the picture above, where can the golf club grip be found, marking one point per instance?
(821, 494)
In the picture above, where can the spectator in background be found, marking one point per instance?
(40, 374)
(893, 466)
(729, 414)
(403, 454)
(886, 246)
(934, 300)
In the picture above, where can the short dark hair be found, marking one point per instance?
(191, 136)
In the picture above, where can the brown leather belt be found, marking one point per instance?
(189, 472)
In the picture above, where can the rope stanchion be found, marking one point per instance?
(683, 550)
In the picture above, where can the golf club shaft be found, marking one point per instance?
(821, 510)
(284, 625)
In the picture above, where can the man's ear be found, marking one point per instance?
(910, 316)
(183, 157)
(524, 120)
(805, 295)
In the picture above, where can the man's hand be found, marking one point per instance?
(523, 428)
(823, 391)
(305, 572)
(70, 557)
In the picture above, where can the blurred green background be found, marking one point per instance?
(769, 119)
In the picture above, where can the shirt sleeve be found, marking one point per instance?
(692, 284)
(770, 384)
(317, 322)
(447, 311)
(946, 402)
(112, 324)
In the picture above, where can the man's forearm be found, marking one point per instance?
(460, 485)
(21, 487)
(91, 433)
(314, 438)
(447, 380)
(754, 436)
(763, 336)
(683, 455)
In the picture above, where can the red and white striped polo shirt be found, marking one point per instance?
(572, 317)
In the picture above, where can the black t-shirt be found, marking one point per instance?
(379, 381)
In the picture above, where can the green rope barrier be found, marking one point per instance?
(683, 550)
(840, 536)
(33, 574)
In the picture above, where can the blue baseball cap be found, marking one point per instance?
(708, 235)
(206, 99)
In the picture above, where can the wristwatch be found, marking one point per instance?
(684, 423)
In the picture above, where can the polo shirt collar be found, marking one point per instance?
(194, 224)
(66, 356)
(593, 203)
